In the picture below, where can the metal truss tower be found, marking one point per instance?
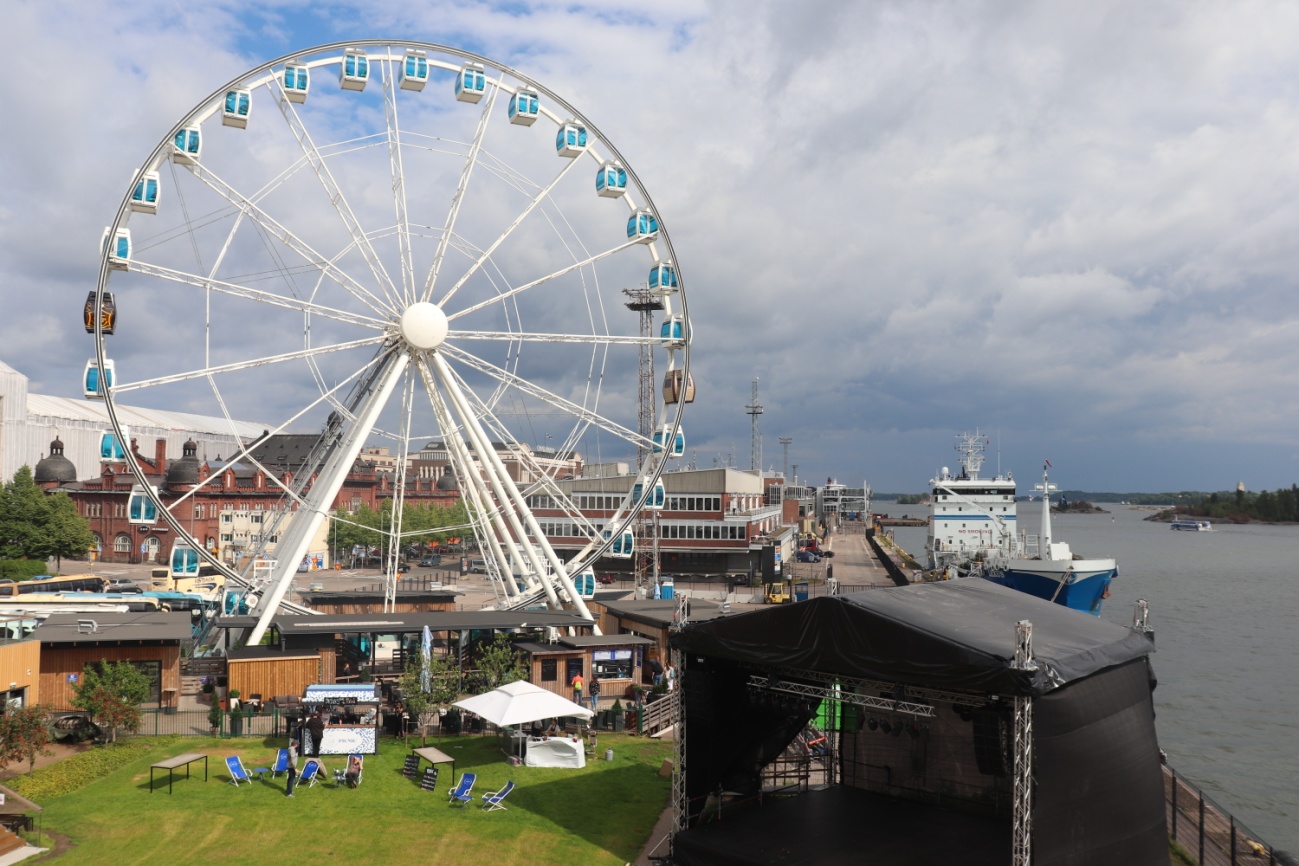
(753, 410)
(1022, 807)
(640, 301)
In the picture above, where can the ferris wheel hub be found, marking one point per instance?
(424, 326)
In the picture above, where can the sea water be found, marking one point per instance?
(1223, 606)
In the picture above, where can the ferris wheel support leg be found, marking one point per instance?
(471, 482)
(323, 490)
(508, 493)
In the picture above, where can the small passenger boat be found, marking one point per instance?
(1191, 525)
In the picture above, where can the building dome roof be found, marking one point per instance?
(186, 469)
(56, 468)
(448, 480)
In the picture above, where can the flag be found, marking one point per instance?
(1048, 464)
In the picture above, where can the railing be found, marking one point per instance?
(205, 666)
(271, 722)
(660, 714)
(1206, 834)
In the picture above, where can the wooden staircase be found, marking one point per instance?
(10, 841)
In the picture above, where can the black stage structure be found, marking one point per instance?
(964, 723)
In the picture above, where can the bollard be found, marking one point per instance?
(608, 754)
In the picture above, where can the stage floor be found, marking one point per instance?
(842, 825)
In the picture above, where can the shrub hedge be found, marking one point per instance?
(80, 770)
(22, 569)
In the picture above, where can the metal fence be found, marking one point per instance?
(1207, 834)
(271, 722)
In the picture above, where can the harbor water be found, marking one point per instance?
(1223, 607)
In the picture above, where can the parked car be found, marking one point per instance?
(122, 584)
(403, 567)
(826, 554)
(807, 556)
(430, 559)
(604, 578)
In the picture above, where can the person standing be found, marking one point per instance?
(577, 687)
(293, 766)
(317, 729)
(671, 677)
(595, 694)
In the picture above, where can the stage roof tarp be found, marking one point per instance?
(951, 635)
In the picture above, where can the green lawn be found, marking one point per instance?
(601, 814)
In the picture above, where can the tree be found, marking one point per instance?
(444, 687)
(24, 734)
(112, 693)
(67, 532)
(23, 515)
(499, 662)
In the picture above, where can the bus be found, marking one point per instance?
(55, 602)
(209, 579)
(67, 583)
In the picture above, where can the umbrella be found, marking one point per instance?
(521, 702)
(426, 646)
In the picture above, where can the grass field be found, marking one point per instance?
(601, 814)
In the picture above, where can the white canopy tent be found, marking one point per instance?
(521, 702)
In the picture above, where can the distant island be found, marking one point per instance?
(1077, 507)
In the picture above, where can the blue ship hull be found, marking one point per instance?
(1083, 590)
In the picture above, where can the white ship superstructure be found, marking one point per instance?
(972, 519)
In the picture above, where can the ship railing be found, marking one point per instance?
(1204, 833)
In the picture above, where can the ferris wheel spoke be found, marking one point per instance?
(269, 360)
(509, 379)
(248, 208)
(335, 194)
(342, 443)
(489, 523)
(396, 170)
(251, 294)
(457, 199)
(486, 254)
(399, 491)
(586, 339)
(501, 297)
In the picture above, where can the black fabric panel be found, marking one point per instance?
(1099, 796)
(956, 634)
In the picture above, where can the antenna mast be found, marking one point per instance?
(644, 304)
(754, 409)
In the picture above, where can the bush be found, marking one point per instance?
(80, 770)
(22, 569)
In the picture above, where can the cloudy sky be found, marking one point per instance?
(1070, 225)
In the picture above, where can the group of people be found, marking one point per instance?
(304, 740)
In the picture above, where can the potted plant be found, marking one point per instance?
(214, 718)
(619, 721)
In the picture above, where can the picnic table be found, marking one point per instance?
(173, 764)
(435, 756)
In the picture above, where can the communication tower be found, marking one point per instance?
(640, 301)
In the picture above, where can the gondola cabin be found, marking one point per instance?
(94, 384)
(471, 83)
(642, 227)
(653, 496)
(678, 387)
(237, 106)
(140, 509)
(111, 449)
(622, 546)
(118, 249)
(144, 198)
(107, 313)
(571, 139)
(414, 70)
(184, 562)
(295, 80)
(354, 70)
(677, 443)
(672, 333)
(663, 279)
(611, 180)
(186, 146)
(584, 583)
(525, 107)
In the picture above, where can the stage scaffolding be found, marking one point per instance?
(919, 704)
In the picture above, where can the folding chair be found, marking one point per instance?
(493, 801)
(237, 772)
(281, 763)
(360, 770)
(460, 793)
(311, 773)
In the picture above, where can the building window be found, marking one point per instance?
(226, 518)
(122, 544)
(549, 670)
(611, 664)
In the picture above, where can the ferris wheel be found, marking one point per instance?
(397, 247)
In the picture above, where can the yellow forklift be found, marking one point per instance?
(785, 592)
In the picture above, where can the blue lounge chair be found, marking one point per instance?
(460, 793)
(311, 773)
(493, 801)
(281, 763)
(237, 772)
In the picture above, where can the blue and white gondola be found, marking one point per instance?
(353, 69)
(471, 82)
(663, 279)
(676, 445)
(653, 497)
(92, 386)
(118, 248)
(296, 81)
(144, 198)
(235, 110)
(642, 227)
(140, 509)
(187, 145)
(414, 70)
(570, 140)
(112, 449)
(525, 107)
(611, 180)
